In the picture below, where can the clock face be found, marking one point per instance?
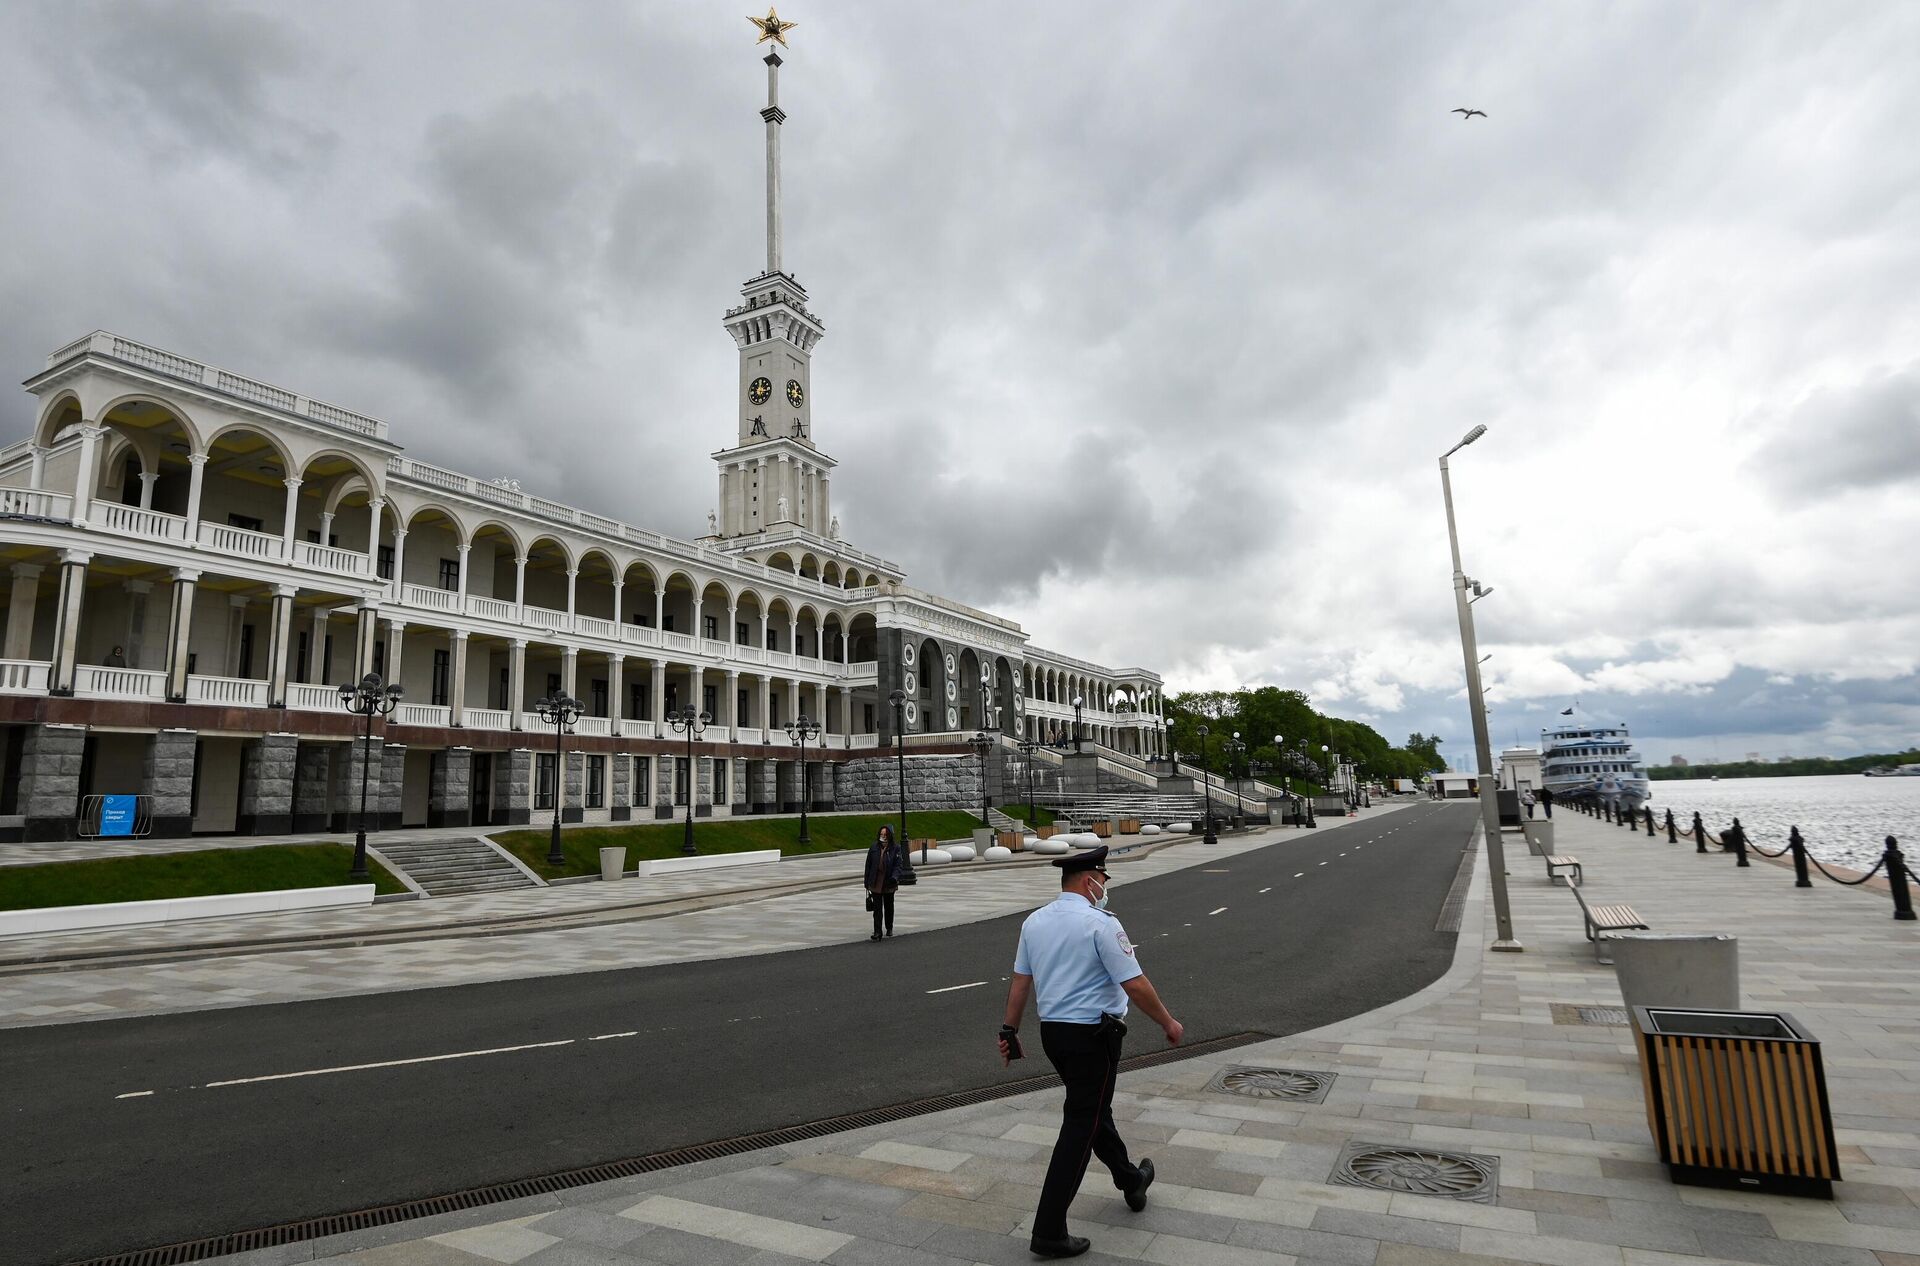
(796, 394)
(760, 390)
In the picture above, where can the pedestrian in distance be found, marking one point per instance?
(1077, 966)
(1546, 800)
(1526, 798)
(883, 880)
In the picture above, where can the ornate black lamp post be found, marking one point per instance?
(899, 701)
(1206, 786)
(1078, 703)
(368, 699)
(560, 711)
(799, 730)
(1027, 748)
(982, 743)
(693, 725)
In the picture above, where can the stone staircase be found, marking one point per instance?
(453, 867)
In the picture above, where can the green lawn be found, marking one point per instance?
(653, 840)
(1020, 811)
(203, 873)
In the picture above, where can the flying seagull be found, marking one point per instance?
(1466, 114)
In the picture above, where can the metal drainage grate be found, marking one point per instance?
(475, 1197)
(1418, 1171)
(1575, 1013)
(1294, 1084)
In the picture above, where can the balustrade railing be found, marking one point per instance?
(593, 626)
(95, 681)
(597, 726)
(28, 503)
(544, 617)
(242, 541)
(23, 676)
(309, 697)
(329, 558)
(423, 714)
(487, 718)
(150, 525)
(430, 598)
(636, 729)
(493, 608)
(243, 692)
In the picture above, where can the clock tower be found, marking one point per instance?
(774, 478)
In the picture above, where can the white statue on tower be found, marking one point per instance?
(780, 510)
(833, 529)
(713, 524)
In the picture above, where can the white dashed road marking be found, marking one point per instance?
(1266, 890)
(1221, 910)
(950, 988)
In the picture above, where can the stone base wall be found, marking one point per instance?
(450, 796)
(933, 782)
(170, 781)
(266, 785)
(50, 781)
(313, 768)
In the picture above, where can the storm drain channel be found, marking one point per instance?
(478, 1197)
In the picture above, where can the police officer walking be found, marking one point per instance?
(1076, 962)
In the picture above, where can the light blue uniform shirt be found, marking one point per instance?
(1078, 957)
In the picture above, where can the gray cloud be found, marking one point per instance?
(1863, 435)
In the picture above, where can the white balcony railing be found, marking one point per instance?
(544, 617)
(748, 734)
(240, 692)
(329, 558)
(636, 729)
(99, 682)
(242, 541)
(423, 714)
(677, 641)
(866, 740)
(309, 697)
(640, 634)
(488, 719)
(148, 525)
(26, 503)
(430, 598)
(23, 676)
(598, 726)
(594, 627)
(492, 609)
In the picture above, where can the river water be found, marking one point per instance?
(1845, 818)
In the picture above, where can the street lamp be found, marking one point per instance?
(367, 699)
(559, 711)
(982, 743)
(1027, 748)
(799, 730)
(1476, 704)
(899, 701)
(693, 725)
(1233, 748)
(1078, 703)
(1209, 836)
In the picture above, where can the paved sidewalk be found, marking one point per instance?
(1479, 1062)
(751, 923)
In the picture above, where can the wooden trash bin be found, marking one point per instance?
(1129, 826)
(1008, 839)
(1737, 1099)
(1103, 828)
(1044, 832)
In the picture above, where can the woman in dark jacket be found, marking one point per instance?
(883, 878)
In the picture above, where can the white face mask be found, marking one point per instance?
(1100, 902)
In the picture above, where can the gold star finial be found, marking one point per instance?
(772, 28)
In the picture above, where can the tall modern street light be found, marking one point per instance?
(899, 701)
(1027, 748)
(559, 711)
(799, 730)
(982, 743)
(368, 699)
(1476, 704)
(1210, 836)
(693, 725)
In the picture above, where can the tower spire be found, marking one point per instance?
(774, 117)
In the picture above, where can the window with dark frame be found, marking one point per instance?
(596, 782)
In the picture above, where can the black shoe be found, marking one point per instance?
(874, 937)
(1137, 1197)
(1072, 1246)
(889, 931)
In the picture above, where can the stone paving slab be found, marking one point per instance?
(753, 924)
(1475, 1062)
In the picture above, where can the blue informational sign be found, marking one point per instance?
(117, 814)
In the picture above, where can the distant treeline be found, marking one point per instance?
(1784, 768)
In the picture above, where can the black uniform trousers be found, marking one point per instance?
(1087, 1057)
(882, 912)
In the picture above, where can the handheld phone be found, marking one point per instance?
(1011, 1037)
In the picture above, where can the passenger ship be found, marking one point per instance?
(1583, 761)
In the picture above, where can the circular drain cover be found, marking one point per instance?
(1418, 1172)
(1270, 1083)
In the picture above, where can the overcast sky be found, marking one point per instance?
(1145, 322)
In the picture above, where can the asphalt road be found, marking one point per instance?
(1314, 928)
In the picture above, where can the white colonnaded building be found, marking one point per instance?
(197, 559)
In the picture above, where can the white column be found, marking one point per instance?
(89, 456)
(516, 682)
(457, 686)
(326, 527)
(731, 632)
(793, 635)
(147, 480)
(763, 628)
(396, 633)
(464, 550)
(374, 508)
(179, 631)
(292, 516)
(659, 608)
(37, 476)
(21, 606)
(729, 707)
(573, 577)
(520, 580)
(317, 646)
(400, 562)
(236, 616)
(619, 585)
(196, 480)
(279, 634)
(765, 719)
(570, 671)
(657, 688)
(616, 671)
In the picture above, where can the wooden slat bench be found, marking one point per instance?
(1615, 917)
(1564, 862)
